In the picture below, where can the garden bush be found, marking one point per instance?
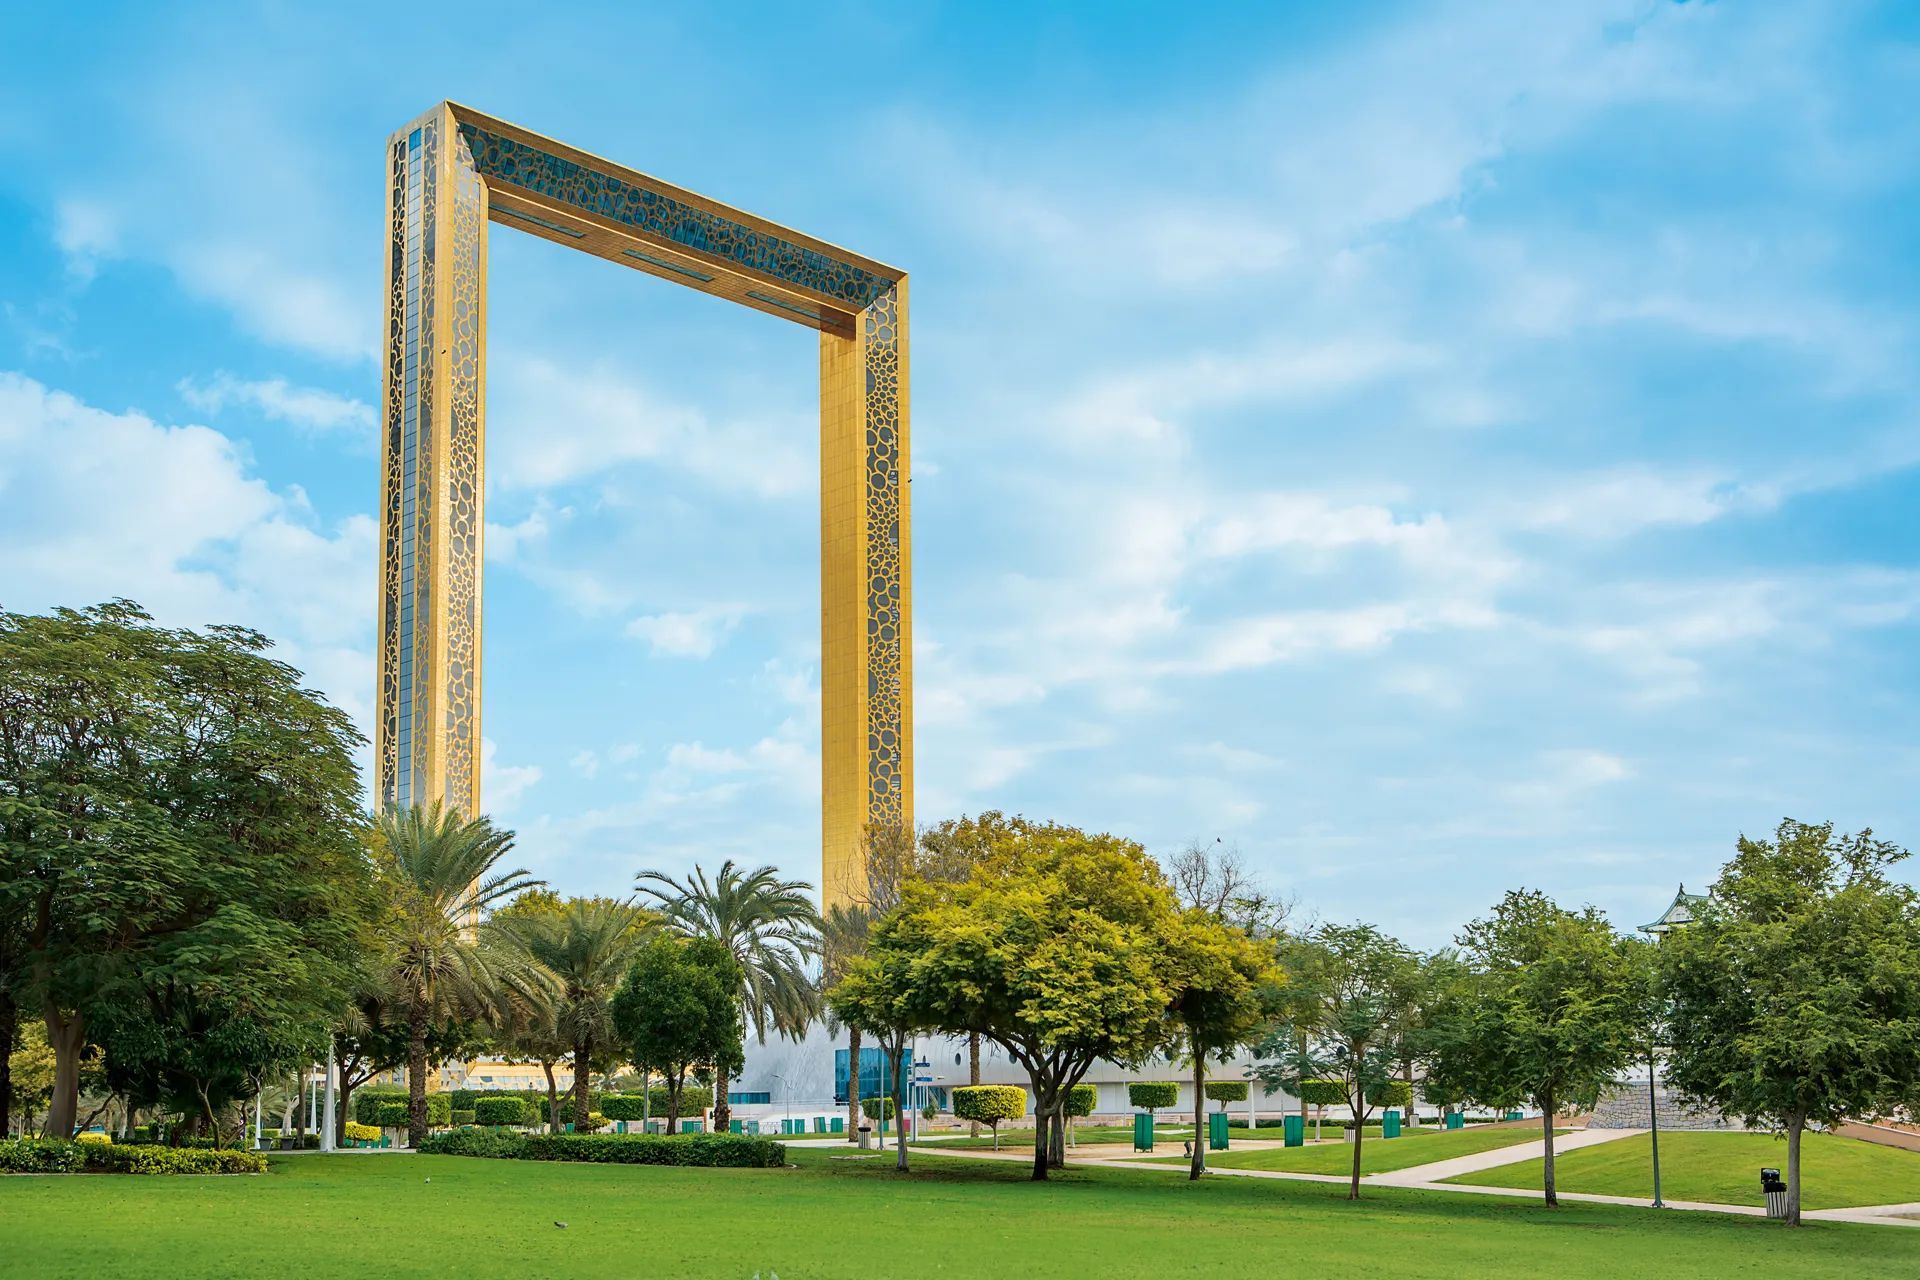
(143, 1159)
(462, 1099)
(501, 1109)
(367, 1103)
(92, 1139)
(391, 1113)
(592, 1124)
(1081, 1100)
(877, 1108)
(1153, 1095)
(1394, 1093)
(708, 1150)
(1227, 1090)
(989, 1104)
(462, 1117)
(623, 1106)
(362, 1132)
(39, 1155)
(475, 1142)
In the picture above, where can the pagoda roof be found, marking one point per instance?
(1679, 912)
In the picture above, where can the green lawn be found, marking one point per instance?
(1377, 1155)
(1087, 1135)
(417, 1216)
(1724, 1168)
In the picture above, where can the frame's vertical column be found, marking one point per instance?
(426, 735)
(866, 676)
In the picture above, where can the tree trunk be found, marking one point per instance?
(582, 1085)
(853, 1083)
(973, 1078)
(646, 1099)
(1198, 1165)
(553, 1097)
(675, 1082)
(417, 1075)
(1359, 1136)
(1796, 1124)
(722, 1112)
(1042, 1137)
(66, 1033)
(1546, 1126)
(9, 1023)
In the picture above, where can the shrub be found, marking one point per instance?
(362, 1132)
(500, 1109)
(709, 1150)
(367, 1103)
(1324, 1093)
(1082, 1099)
(1394, 1093)
(1152, 1095)
(149, 1133)
(93, 1139)
(877, 1108)
(1227, 1090)
(462, 1099)
(143, 1159)
(390, 1113)
(989, 1104)
(593, 1123)
(475, 1142)
(39, 1155)
(624, 1106)
(462, 1117)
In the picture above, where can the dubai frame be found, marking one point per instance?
(449, 173)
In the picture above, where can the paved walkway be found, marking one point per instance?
(1441, 1170)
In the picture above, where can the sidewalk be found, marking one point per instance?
(1441, 1170)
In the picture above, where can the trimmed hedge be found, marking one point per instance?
(362, 1132)
(1153, 1095)
(462, 1117)
(1227, 1090)
(877, 1108)
(624, 1106)
(1395, 1093)
(503, 1108)
(1324, 1093)
(989, 1104)
(43, 1155)
(382, 1106)
(705, 1150)
(1082, 1099)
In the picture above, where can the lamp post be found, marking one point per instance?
(1653, 1118)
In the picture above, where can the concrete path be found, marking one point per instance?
(1441, 1170)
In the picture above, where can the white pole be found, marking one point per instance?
(256, 1121)
(1253, 1129)
(326, 1134)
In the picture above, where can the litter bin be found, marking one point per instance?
(1775, 1190)
(1294, 1130)
(1456, 1120)
(1390, 1124)
(866, 1136)
(839, 1124)
(1142, 1131)
(1217, 1131)
(1516, 1115)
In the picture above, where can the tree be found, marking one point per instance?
(1052, 948)
(437, 875)
(177, 816)
(1794, 995)
(1289, 1058)
(1352, 983)
(876, 993)
(679, 1008)
(585, 943)
(373, 1038)
(989, 1104)
(1081, 1100)
(1549, 1010)
(1214, 878)
(768, 925)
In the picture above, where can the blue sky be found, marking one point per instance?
(1450, 448)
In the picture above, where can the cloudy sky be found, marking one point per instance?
(1458, 447)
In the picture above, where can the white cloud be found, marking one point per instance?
(504, 784)
(692, 634)
(279, 297)
(586, 764)
(310, 408)
(86, 232)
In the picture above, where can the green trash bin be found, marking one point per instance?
(1456, 1120)
(839, 1124)
(1217, 1131)
(1390, 1124)
(738, 1126)
(1142, 1131)
(819, 1124)
(693, 1126)
(1294, 1130)
(1516, 1115)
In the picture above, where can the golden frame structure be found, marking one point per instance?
(449, 173)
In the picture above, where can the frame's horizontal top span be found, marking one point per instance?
(565, 195)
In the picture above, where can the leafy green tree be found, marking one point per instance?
(437, 874)
(1052, 948)
(875, 992)
(1351, 984)
(770, 928)
(373, 1038)
(1224, 988)
(1548, 1011)
(1288, 1056)
(177, 817)
(843, 940)
(1794, 995)
(586, 944)
(678, 1009)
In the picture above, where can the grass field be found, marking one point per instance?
(1088, 1135)
(417, 1216)
(1377, 1155)
(1835, 1173)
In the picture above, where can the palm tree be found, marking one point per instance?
(436, 873)
(843, 938)
(586, 944)
(772, 929)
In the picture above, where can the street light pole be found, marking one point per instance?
(326, 1134)
(1653, 1118)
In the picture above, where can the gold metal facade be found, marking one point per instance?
(450, 173)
